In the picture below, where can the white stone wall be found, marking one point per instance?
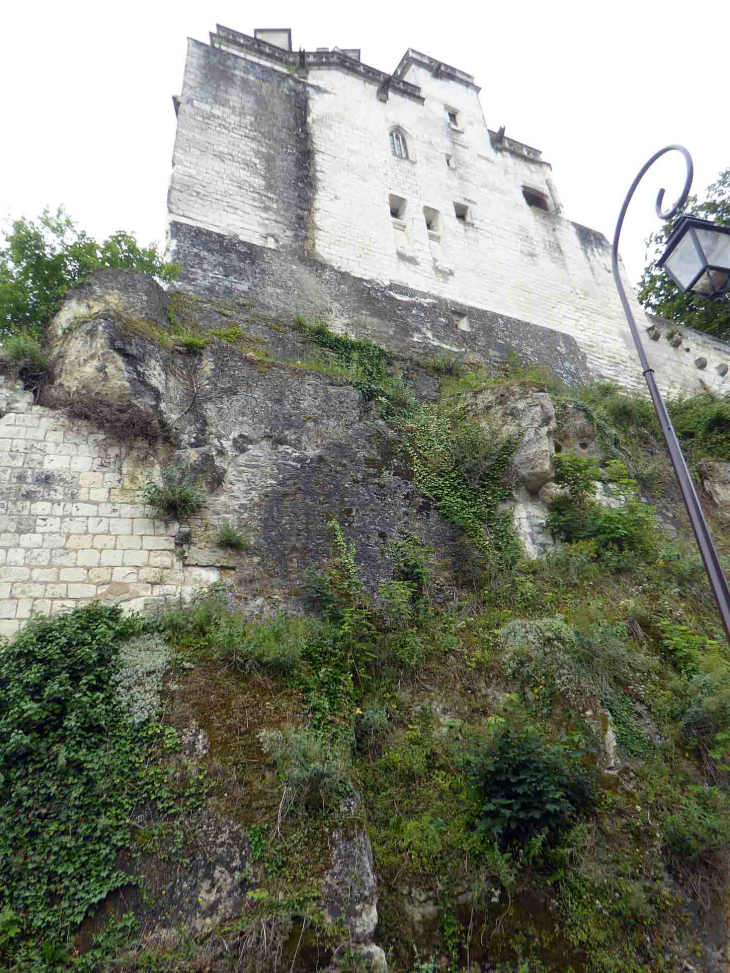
(508, 257)
(72, 524)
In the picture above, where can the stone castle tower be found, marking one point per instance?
(316, 184)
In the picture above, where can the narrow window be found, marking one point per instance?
(536, 199)
(453, 117)
(397, 207)
(433, 221)
(450, 162)
(398, 144)
(462, 212)
(462, 322)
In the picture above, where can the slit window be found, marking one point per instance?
(461, 212)
(398, 144)
(536, 199)
(450, 162)
(397, 207)
(433, 220)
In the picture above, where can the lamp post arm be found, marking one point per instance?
(718, 582)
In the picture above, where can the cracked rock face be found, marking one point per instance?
(209, 890)
(350, 888)
(513, 410)
(95, 352)
(715, 478)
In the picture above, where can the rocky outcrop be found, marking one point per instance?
(715, 478)
(350, 896)
(100, 356)
(527, 415)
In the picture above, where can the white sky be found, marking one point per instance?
(86, 92)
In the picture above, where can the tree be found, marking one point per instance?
(41, 260)
(659, 294)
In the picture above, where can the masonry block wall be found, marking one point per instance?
(293, 154)
(73, 527)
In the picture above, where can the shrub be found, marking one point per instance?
(141, 664)
(373, 729)
(461, 467)
(541, 655)
(227, 536)
(177, 494)
(192, 343)
(275, 644)
(702, 422)
(314, 770)
(700, 830)
(211, 621)
(25, 351)
(530, 788)
(618, 532)
(72, 767)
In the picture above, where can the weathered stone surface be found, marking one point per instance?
(349, 888)
(202, 557)
(575, 432)
(516, 410)
(715, 479)
(95, 354)
(528, 517)
(212, 888)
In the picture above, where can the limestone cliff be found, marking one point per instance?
(395, 611)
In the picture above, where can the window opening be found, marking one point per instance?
(461, 211)
(462, 322)
(535, 199)
(433, 221)
(450, 162)
(453, 117)
(398, 144)
(397, 207)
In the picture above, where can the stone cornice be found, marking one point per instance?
(302, 61)
(437, 68)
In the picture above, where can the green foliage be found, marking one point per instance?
(41, 260)
(461, 467)
(530, 788)
(661, 296)
(177, 495)
(73, 765)
(141, 665)
(214, 626)
(702, 423)
(24, 355)
(229, 537)
(314, 771)
(700, 830)
(617, 532)
(368, 366)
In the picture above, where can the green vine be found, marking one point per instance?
(461, 469)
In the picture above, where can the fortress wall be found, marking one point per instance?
(241, 157)
(302, 165)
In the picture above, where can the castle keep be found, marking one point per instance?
(383, 203)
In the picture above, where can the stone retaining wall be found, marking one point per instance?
(73, 527)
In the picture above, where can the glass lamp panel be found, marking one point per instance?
(716, 246)
(712, 283)
(684, 262)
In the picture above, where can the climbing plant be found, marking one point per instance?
(461, 468)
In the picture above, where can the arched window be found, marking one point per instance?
(398, 144)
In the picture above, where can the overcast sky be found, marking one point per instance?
(86, 92)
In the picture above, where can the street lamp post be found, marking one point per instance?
(697, 258)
